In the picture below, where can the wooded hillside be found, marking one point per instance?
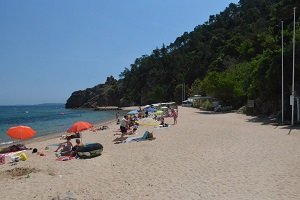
(234, 56)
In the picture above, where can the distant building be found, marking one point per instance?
(199, 98)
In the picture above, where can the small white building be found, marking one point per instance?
(199, 97)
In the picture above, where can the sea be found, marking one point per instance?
(46, 119)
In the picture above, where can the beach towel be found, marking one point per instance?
(64, 158)
(13, 156)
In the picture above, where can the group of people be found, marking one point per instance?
(130, 121)
(68, 149)
(128, 125)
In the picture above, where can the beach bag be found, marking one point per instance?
(22, 156)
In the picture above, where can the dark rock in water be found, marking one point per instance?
(107, 94)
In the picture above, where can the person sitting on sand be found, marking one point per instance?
(66, 148)
(77, 147)
(76, 135)
(162, 122)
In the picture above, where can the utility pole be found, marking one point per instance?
(293, 81)
(182, 93)
(282, 103)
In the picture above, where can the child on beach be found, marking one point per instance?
(174, 115)
(77, 147)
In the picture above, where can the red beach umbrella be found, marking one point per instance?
(79, 126)
(21, 132)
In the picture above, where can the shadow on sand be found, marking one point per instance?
(213, 112)
(263, 120)
(273, 121)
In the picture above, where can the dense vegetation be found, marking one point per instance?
(234, 56)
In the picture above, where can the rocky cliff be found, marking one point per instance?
(107, 94)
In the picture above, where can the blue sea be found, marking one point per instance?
(47, 118)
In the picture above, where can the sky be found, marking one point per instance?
(51, 48)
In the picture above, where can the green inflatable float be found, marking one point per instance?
(90, 150)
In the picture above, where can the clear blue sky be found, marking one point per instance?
(48, 49)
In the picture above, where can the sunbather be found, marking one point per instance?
(14, 148)
(66, 148)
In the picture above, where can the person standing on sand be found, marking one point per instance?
(174, 115)
(117, 118)
(124, 125)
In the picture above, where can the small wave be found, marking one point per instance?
(9, 142)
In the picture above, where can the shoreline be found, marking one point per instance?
(54, 135)
(50, 136)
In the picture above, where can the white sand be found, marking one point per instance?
(204, 156)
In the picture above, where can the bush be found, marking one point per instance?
(208, 105)
(196, 103)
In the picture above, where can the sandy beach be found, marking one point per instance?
(205, 156)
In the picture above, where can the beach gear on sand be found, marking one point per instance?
(64, 158)
(22, 156)
(79, 126)
(21, 132)
(13, 156)
(13, 148)
(90, 150)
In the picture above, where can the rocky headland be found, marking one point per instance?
(107, 94)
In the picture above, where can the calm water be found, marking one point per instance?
(47, 119)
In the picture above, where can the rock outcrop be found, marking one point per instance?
(107, 94)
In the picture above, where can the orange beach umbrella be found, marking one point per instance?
(79, 126)
(21, 132)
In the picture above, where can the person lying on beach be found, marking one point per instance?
(100, 128)
(79, 145)
(66, 148)
(14, 148)
(65, 137)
